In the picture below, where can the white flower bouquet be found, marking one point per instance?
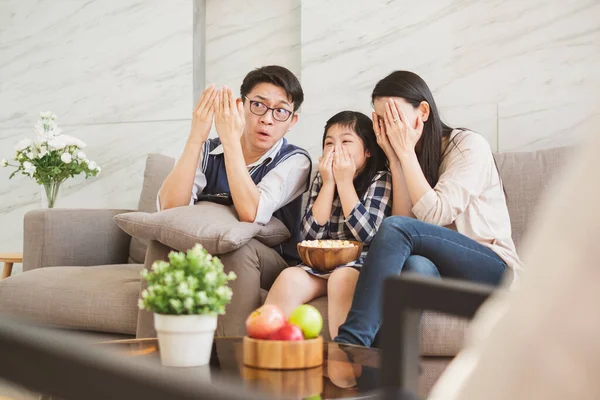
(189, 284)
(51, 158)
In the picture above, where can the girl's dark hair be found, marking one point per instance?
(414, 90)
(363, 126)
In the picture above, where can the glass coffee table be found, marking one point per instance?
(347, 371)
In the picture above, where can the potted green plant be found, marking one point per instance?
(186, 294)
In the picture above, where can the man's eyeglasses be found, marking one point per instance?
(279, 114)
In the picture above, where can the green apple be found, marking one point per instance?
(308, 319)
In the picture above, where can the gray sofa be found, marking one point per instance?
(82, 272)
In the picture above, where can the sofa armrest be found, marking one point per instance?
(404, 298)
(73, 237)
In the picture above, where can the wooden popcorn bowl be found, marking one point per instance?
(283, 354)
(327, 259)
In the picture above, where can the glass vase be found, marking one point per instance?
(50, 193)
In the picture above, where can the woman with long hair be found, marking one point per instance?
(450, 214)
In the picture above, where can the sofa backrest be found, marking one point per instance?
(525, 175)
(158, 167)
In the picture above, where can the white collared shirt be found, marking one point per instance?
(278, 187)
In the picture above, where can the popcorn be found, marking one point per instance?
(327, 244)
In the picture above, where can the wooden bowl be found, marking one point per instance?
(327, 259)
(296, 383)
(283, 354)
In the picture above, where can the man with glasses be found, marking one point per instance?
(252, 166)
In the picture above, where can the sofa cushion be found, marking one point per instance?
(214, 226)
(442, 334)
(102, 298)
(158, 167)
(525, 176)
(431, 370)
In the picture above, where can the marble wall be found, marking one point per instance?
(243, 35)
(523, 74)
(118, 74)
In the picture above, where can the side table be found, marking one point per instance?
(9, 259)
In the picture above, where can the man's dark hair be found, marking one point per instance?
(278, 76)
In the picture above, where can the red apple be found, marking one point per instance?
(288, 332)
(264, 321)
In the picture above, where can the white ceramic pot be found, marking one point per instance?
(185, 340)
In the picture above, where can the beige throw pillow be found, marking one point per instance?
(214, 226)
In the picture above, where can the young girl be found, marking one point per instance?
(350, 196)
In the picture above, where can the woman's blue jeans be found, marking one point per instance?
(407, 244)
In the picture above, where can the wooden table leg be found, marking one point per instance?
(7, 270)
(9, 259)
